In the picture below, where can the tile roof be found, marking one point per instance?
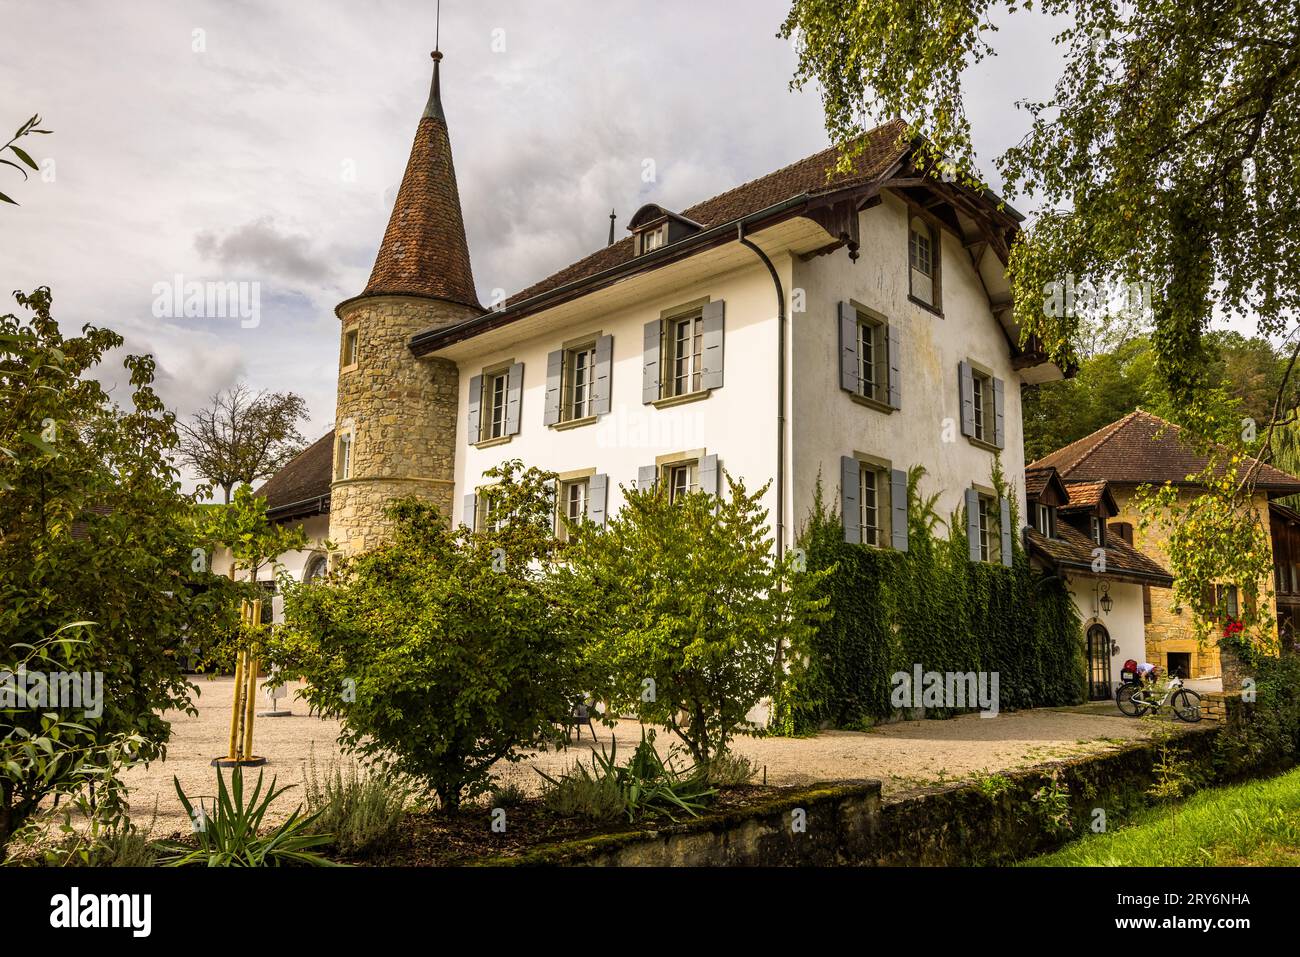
(885, 146)
(424, 251)
(1088, 495)
(1143, 448)
(1071, 550)
(306, 477)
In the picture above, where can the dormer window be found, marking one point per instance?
(655, 227)
(1045, 520)
(652, 239)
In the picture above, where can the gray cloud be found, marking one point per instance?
(261, 246)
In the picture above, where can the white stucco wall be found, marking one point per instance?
(926, 429)
(317, 530)
(1124, 622)
(736, 422)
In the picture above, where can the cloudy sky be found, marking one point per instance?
(264, 142)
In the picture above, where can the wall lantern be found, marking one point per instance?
(1107, 603)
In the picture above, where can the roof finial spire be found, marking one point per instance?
(433, 109)
(612, 217)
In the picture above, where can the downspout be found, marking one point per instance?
(777, 664)
(780, 390)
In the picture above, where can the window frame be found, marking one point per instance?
(881, 534)
(569, 409)
(351, 348)
(878, 340)
(1044, 519)
(343, 452)
(562, 502)
(689, 469)
(492, 416)
(669, 375)
(932, 235)
(982, 411)
(654, 238)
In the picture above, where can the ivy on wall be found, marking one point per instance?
(930, 606)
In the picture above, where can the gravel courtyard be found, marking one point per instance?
(904, 756)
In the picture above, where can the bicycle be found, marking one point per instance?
(1137, 699)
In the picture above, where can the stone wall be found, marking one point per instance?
(401, 412)
(1171, 631)
(996, 821)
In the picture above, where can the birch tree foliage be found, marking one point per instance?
(1166, 154)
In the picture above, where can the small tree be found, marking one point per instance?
(254, 541)
(243, 436)
(442, 653)
(97, 570)
(687, 608)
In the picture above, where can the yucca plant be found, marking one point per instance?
(229, 836)
(647, 786)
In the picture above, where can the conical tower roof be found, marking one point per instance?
(424, 252)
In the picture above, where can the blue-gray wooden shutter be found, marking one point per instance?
(597, 498)
(898, 509)
(966, 381)
(999, 414)
(710, 476)
(973, 523)
(1004, 510)
(475, 400)
(713, 316)
(850, 360)
(470, 511)
(651, 380)
(600, 386)
(895, 351)
(645, 477)
(514, 397)
(850, 515)
(554, 378)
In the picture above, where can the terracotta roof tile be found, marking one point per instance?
(1143, 448)
(1072, 550)
(1085, 494)
(885, 146)
(305, 477)
(424, 251)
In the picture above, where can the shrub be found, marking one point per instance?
(228, 837)
(510, 794)
(647, 786)
(727, 769)
(442, 653)
(688, 610)
(361, 811)
(1265, 733)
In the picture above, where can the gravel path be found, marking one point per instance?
(904, 756)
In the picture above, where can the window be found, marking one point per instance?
(490, 517)
(681, 478)
(922, 250)
(1098, 530)
(652, 239)
(317, 565)
(983, 406)
(873, 359)
(985, 529)
(350, 348)
(873, 504)
(684, 341)
(571, 505)
(1225, 600)
(1044, 519)
(343, 456)
(578, 381)
(496, 388)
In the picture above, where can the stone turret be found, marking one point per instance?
(395, 425)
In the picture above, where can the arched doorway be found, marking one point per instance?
(1098, 662)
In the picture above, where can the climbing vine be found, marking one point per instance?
(930, 606)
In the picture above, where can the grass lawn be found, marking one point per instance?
(1257, 823)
